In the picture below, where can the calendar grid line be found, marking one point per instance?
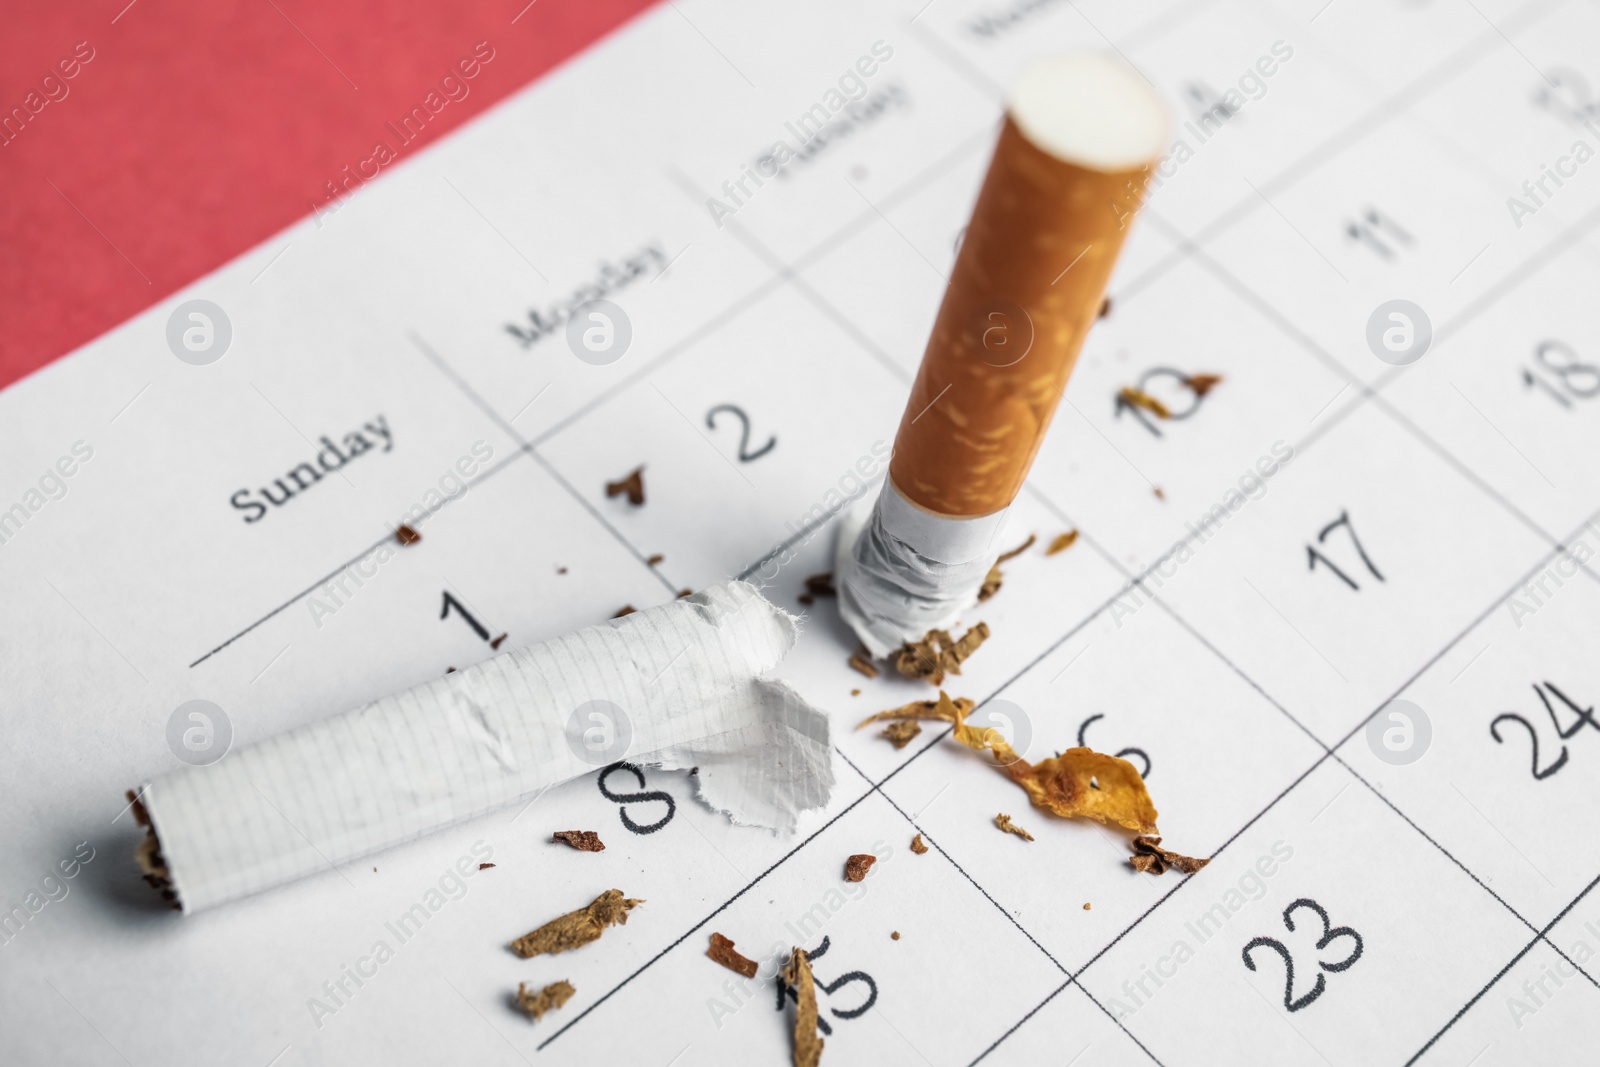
(1331, 752)
(872, 787)
(1542, 936)
(1188, 248)
(1380, 114)
(1365, 393)
(1379, 794)
(1370, 394)
(487, 473)
(533, 453)
(1328, 753)
(911, 821)
(718, 910)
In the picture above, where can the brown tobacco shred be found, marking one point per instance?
(1141, 399)
(918, 846)
(1105, 308)
(807, 1045)
(723, 952)
(497, 642)
(894, 935)
(1086, 905)
(582, 840)
(855, 692)
(921, 709)
(1059, 785)
(1161, 494)
(995, 578)
(1201, 384)
(657, 558)
(631, 484)
(1062, 543)
(481, 866)
(862, 664)
(900, 734)
(549, 998)
(626, 609)
(821, 584)
(807, 599)
(1004, 822)
(147, 853)
(577, 928)
(937, 653)
(406, 535)
(1150, 857)
(857, 866)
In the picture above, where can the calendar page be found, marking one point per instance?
(1337, 603)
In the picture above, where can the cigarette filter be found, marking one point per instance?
(676, 686)
(1068, 173)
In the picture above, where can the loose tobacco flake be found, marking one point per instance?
(549, 998)
(1140, 399)
(577, 928)
(821, 584)
(807, 1045)
(921, 709)
(1062, 542)
(937, 653)
(582, 840)
(863, 665)
(625, 610)
(1201, 384)
(631, 483)
(1150, 857)
(723, 952)
(1004, 822)
(900, 734)
(857, 866)
(1060, 785)
(406, 535)
(918, 845)
(993, 580)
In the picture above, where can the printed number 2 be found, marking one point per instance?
(745, 455)
(1313, 556)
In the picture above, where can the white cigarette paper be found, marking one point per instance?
(902, 571)
(675, 686)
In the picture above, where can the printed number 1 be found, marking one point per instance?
(452, 602)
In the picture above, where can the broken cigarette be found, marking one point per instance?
(678, 686)
(1068, 172)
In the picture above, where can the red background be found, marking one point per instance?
(202, 127)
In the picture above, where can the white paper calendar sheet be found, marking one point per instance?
(1257, 577)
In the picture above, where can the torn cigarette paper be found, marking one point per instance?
(676, 686)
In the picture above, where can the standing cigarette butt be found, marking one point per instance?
(1069, 170)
